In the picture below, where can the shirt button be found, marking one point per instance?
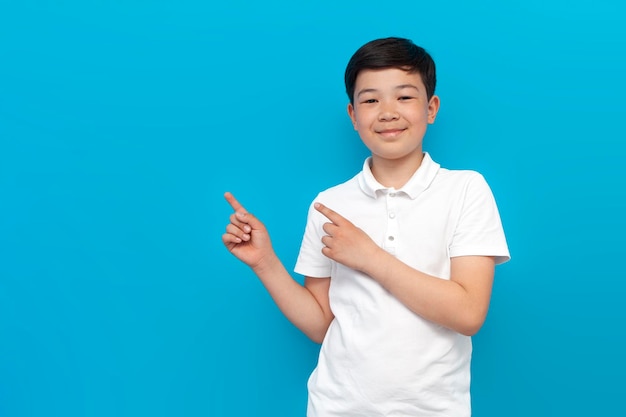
(392, 194)
(390, 238)
(392, 215)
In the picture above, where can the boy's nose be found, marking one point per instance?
(388, 111)
(387, 115)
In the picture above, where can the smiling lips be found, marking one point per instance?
(390, 133)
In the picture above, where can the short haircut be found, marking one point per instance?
(391, 53)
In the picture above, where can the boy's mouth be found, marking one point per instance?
(390, 133)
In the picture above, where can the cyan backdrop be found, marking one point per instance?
(123, 122)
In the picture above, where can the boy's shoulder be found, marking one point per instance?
(344, 189)
(459, 182)
(458, 174)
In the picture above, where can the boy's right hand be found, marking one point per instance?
(246, 237)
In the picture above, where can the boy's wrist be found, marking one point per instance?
(378, 265)
(266, 264)
(374, 261)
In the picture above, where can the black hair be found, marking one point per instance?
(391, 53)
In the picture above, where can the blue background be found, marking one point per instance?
(123, 122)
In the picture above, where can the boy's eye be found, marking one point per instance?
(406, 98)
(370, 100)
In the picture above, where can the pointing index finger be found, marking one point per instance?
(236, 205)
(331, 215)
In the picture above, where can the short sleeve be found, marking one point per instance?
(311, 261)
(479, 231)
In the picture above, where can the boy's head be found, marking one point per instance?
(391, 53)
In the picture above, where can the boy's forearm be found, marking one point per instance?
(295, 301)
(439, 300)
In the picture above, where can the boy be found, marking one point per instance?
(398, 261)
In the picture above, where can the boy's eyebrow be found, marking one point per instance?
(398, 87)
(366, 90)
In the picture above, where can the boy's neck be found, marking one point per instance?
(397, 172)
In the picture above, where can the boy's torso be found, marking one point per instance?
(377, 355)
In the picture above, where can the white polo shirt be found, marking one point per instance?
(378, 358)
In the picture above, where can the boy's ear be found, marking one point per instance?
(433, 108)
(351, 114)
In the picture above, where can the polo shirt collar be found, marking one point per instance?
(420, 181)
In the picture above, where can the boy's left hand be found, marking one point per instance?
(346, 243)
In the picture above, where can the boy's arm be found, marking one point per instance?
(460, 303)
(307, 307)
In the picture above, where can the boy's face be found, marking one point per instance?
(391, 112)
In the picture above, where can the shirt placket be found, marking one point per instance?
(391, 234)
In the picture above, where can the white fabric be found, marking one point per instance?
(378, 358)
